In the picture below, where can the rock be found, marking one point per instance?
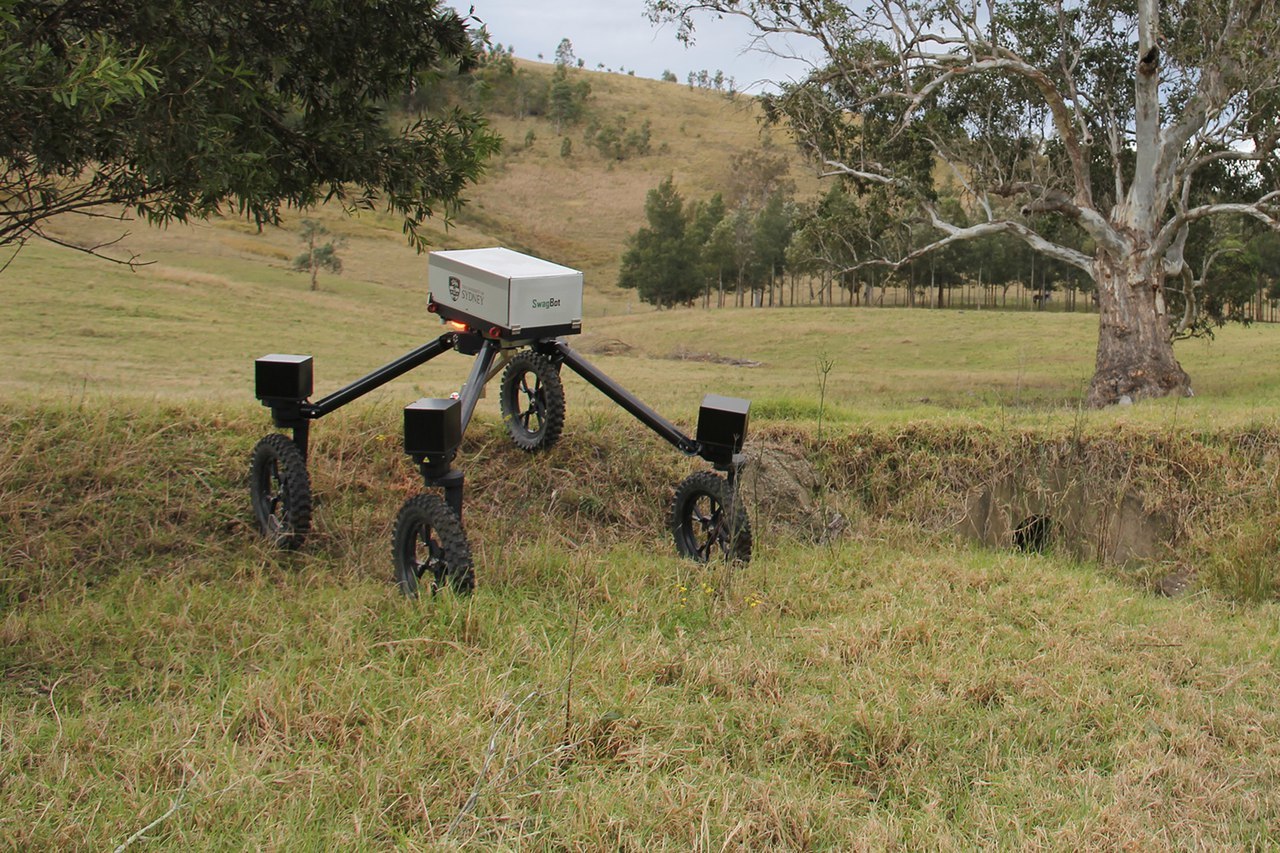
(780, 483)
(1174, 583)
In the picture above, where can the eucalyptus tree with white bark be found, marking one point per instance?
(1131, 120)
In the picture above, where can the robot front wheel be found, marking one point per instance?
(709, 521)
(280, 491)
(430, 548)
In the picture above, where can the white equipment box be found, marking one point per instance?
(498, 290)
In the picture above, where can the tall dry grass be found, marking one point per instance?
(891, 687)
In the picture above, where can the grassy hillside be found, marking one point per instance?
(576, 211)
(583, 207)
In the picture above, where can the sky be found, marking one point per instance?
(617, 34)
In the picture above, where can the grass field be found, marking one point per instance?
(891, 688)
(191, 325)
(168, 681)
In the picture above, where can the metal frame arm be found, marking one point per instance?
(471, 392)
(380, 377)
(625, 399)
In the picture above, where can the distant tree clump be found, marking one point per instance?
(716, 82)
(687, 251)
(616, 141)
(500, 87)
(566, 100)
(178, 114)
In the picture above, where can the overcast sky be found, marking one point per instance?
(617, 33)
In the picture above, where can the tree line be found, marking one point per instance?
(755, 244)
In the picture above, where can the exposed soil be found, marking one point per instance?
(713, 358)
(778, 482)
(605, 346)
(1057, 508)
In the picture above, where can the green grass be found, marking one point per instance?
(889, 688)
(191, 327)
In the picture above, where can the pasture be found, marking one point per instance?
(879, 684)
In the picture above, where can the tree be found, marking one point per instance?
(1108, 115)
(318, 255)
(774, 227)
(659, 263)
(496, 85)
(709, 246)
(566, 101)
(615, 141)
(756, 174)
(741, 238)
(176, 114)
(564, 53)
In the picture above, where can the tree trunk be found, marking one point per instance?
(1135, 353)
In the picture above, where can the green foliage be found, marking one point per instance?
(773, 227)
(616, 141)
(564, 54)
(796, 409)
(566, 100)
(496, 86)
(178, 114)
(660, 262)
(319, 255)
(746, 247)
(715, 255)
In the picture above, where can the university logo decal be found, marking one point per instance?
(455, 287)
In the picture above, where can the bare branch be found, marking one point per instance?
(1054, 201)
(1050, 249)
(1265, 210)
(95, 251)
(838, 168)
(1215, 83)
(18, 244)
(956, 234)
(1261, 151)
